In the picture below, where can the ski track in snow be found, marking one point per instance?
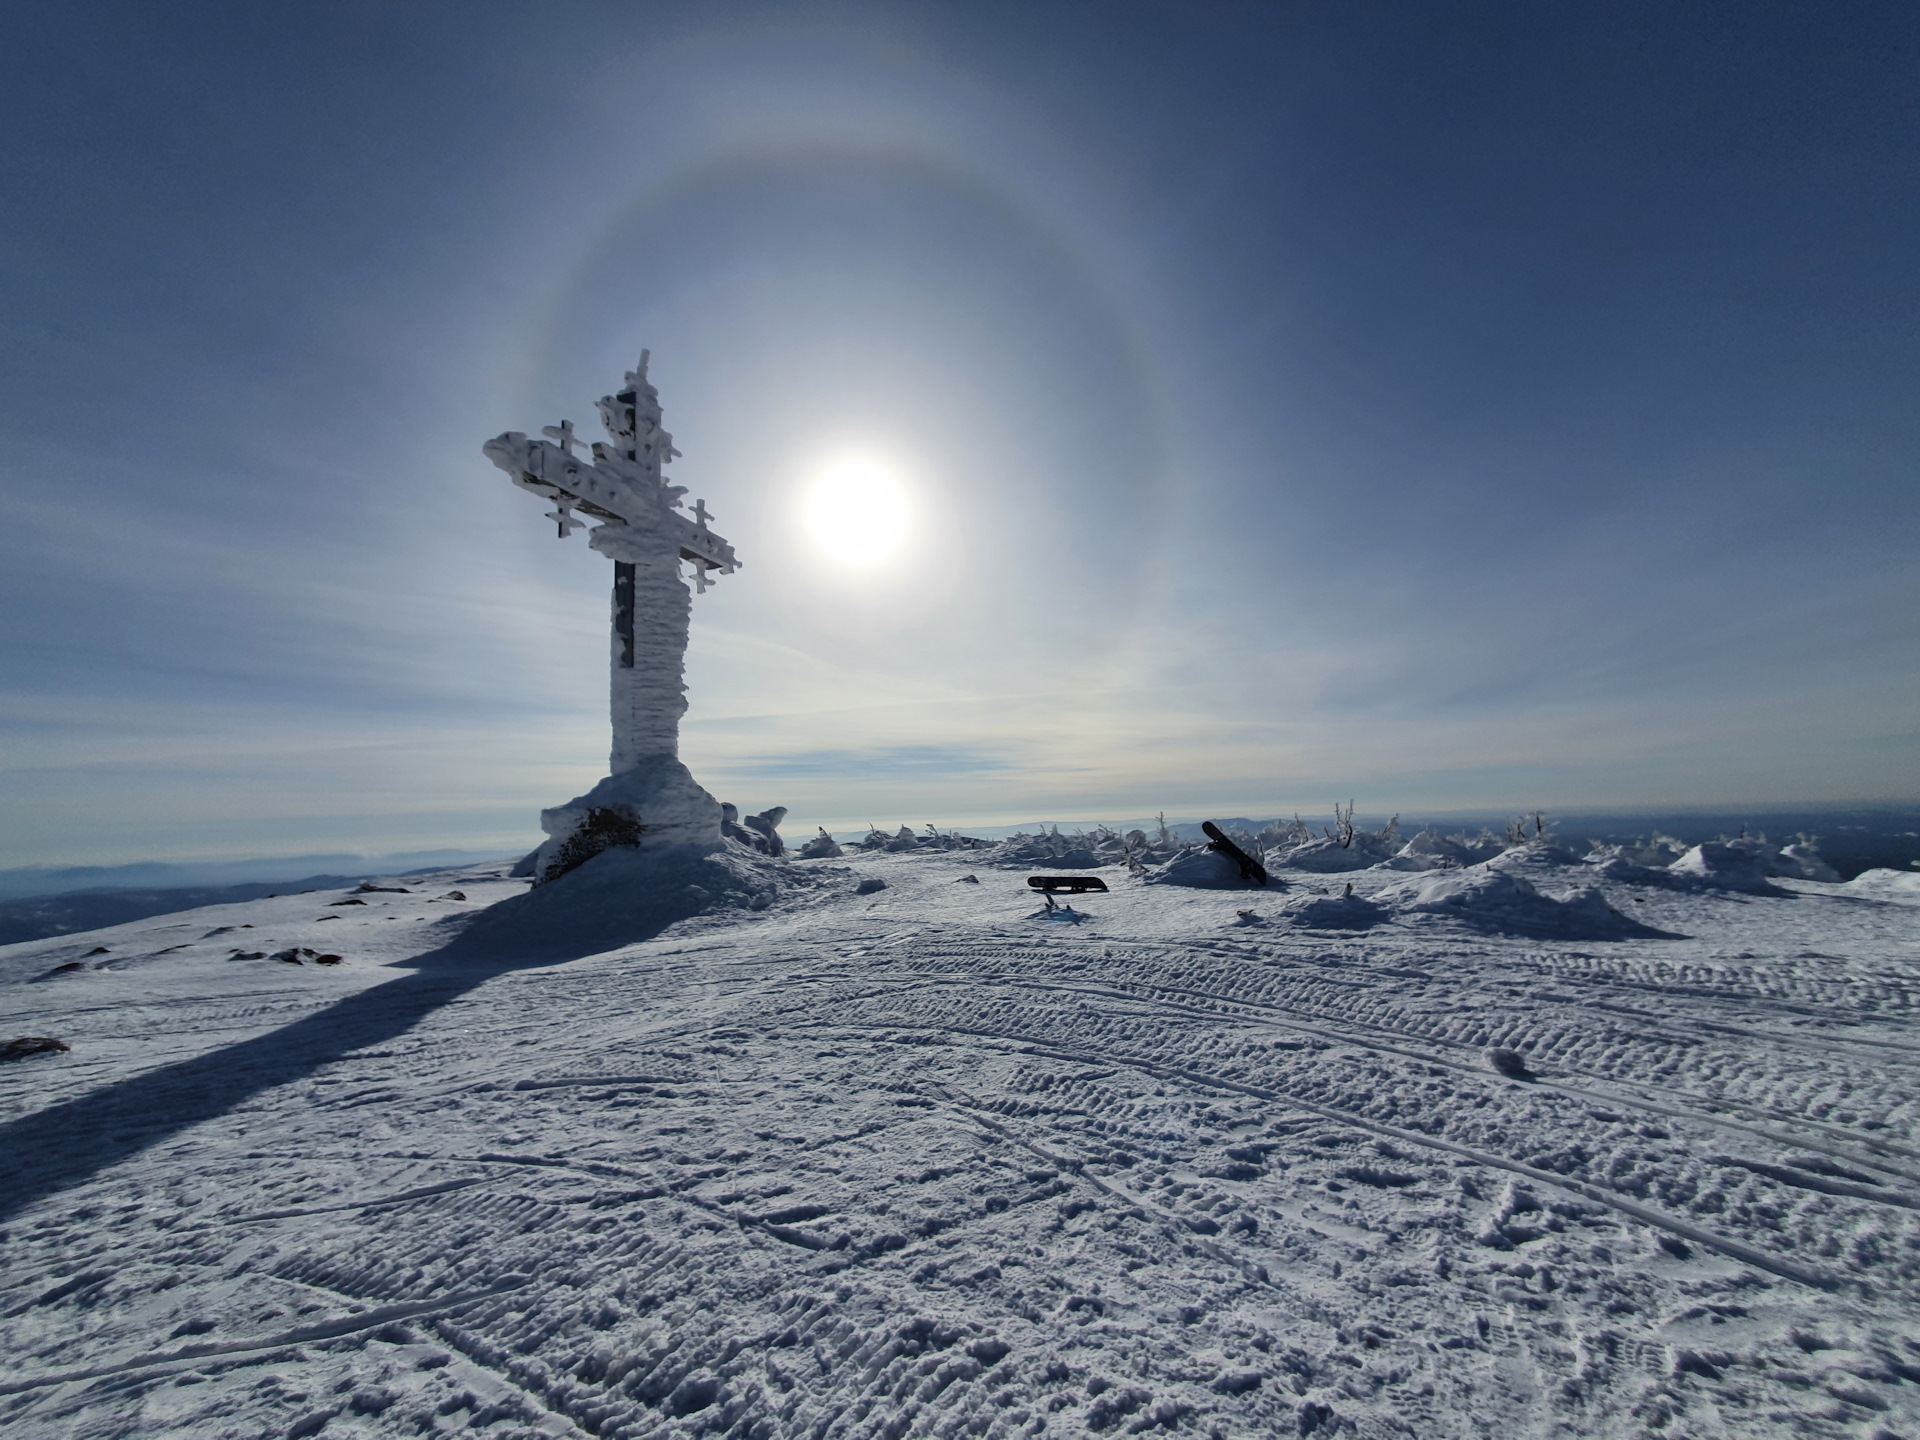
(927, 1162)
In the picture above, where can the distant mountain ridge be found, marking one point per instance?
(30, 882)
(70, 912)
(43, 917)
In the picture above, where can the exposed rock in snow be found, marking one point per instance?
(26, 1046)
(1508, 1062)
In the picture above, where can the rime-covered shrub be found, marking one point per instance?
(822, 847)
(1079, 849)
(905, 839)
(1339, 847)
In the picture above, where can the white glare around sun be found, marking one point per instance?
(858, 514)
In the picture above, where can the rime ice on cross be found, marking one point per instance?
(643, 529)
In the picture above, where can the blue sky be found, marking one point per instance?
(1454, 407)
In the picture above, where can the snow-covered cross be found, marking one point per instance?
(644, 529)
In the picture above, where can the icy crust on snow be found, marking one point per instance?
(928, 1160)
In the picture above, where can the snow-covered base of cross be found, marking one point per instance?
(660, 793)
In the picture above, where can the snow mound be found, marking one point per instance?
(1487, 898)
(1885, 884)
(1332, 912)
(1328, 857)
(625, 895)
(1199, 869)
(1655, 853)
(1534, 859)
(1745, 863)
(1802, 860)
(822, 847)
(1430, 850)
(1622, 870)
(1730, 866)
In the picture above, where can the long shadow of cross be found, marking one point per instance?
(68, 1142)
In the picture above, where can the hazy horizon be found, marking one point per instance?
(294, 864)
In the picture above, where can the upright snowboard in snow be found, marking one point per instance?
(1251, 870)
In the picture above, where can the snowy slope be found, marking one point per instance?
(925, 1161)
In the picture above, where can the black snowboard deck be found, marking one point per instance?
(1066, 884)
(1251, 870)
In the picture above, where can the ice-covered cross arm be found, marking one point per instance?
(617, 492)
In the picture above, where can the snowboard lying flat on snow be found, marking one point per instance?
(1071, 884)
(1251, 870)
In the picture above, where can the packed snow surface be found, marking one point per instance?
(744, 1150)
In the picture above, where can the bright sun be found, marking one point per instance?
(858, 514)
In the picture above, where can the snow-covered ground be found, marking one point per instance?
(925, 1161)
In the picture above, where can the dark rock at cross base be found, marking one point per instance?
(608, 828)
